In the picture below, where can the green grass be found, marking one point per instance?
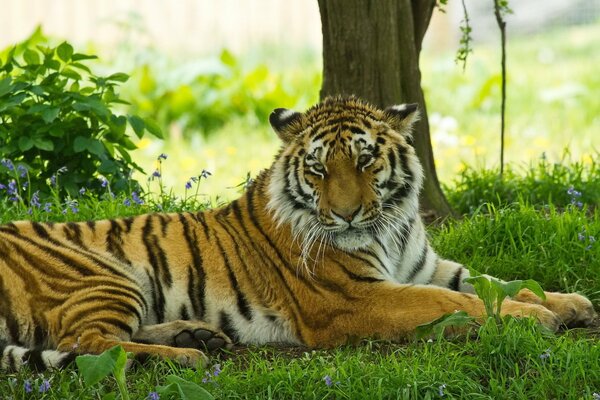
(531, 239)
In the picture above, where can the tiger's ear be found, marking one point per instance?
(402, 117)
(283, 121)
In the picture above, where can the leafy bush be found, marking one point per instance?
(561, 184)
(200, 96)
(55, 115)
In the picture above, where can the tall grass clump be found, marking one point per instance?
(539, 184)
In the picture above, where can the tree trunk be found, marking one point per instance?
(371, 49)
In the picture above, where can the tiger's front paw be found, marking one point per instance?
(574, 310)
(542, 314)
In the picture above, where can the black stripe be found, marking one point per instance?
(455, 282)
(356, 277)
(227, 327)
(242, 302)
(158, 299)
(156, 255)
(34, 360)
(183, 313)
(420, 262)
(114, 242)
(72, 232)
(196, 281)
(10, 357)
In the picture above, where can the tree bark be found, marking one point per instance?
(371, 49)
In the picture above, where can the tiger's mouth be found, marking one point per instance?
(353, 238)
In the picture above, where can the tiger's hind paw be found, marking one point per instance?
(202, 339)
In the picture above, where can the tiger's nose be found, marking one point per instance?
(347, 214)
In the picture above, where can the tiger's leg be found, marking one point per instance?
(87, 327)
(392, 312)
(573, 309)
(189, 334)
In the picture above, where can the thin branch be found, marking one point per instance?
(499, 9)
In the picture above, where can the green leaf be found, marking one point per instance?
(153, 128)
(5, 85)
(43, 144)
(95, 368)
(80, 66)
(50, 114)
(69, 73)
(95, 147)
(119, 77)
(31, 57)
(80, 144)
(137, 124)
(79, 56)
(64, 51)
(183, 389)
(535, 287)
(437, 327)
(25, 143)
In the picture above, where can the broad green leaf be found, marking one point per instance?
(43, 144)
(119, 77)
(69, 73)
(535, 287)
(64, 51)
(184, 390)
(95, 368)
(80, 144)
(25, 143)
(56, 131)
(437, 327)
(50, 114)
(137, 124)
(80, 66)
(228, 59)
(5, 85)
(31, 57)
(94, 146)
(153, 128)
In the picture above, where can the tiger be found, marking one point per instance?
(325, 247)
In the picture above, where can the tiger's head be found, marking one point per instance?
(346, 171)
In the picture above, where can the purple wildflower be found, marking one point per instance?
(47, 207)
(103, 182)
(217, 369)
(595, 396)
(12, 191)
(156, 174)
(205, 174)
(153, 396)
(22, 170)
(127, 202)
(441, 389)
(136, 198)
(581, 236)
(545, 355)
(45, 386)
(27, 386)
(62, 170)
(188, 185)
(53, 180)
(2, 187)
(35, 199)
(327, 380)
(8, 164)
(162, 156)
(82, 191)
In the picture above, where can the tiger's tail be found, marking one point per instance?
(14, 357)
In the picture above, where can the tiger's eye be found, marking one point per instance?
(318, 167)
(364, 159)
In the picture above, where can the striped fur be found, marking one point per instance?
(325, 247)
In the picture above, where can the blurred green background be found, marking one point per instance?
(212, 92)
